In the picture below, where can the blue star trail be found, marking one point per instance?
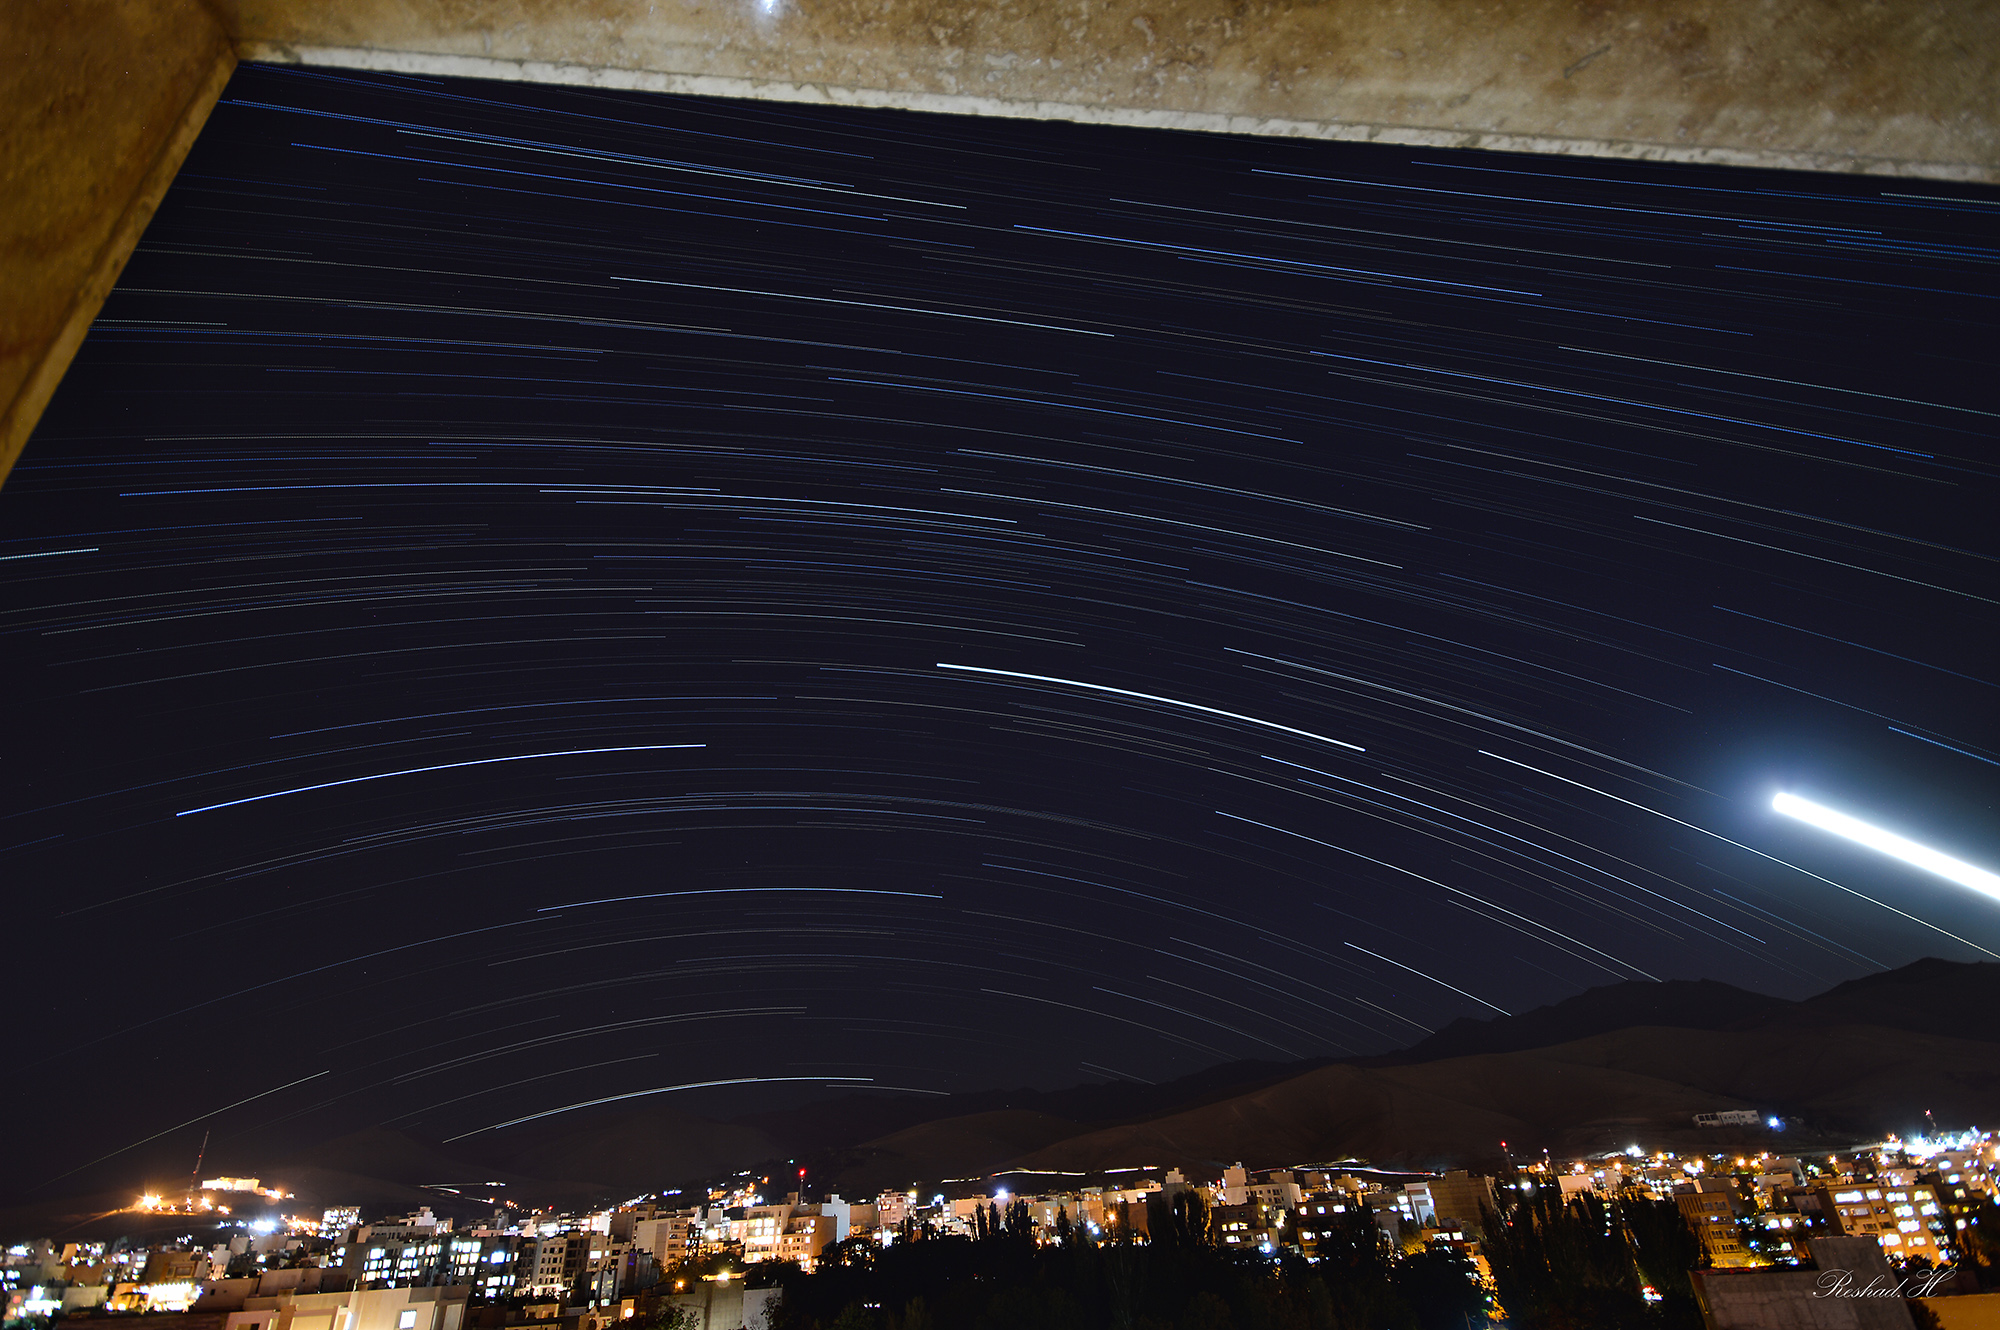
(743, 602)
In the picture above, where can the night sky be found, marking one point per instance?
(532, 594)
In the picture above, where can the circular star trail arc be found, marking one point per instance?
(751, 600)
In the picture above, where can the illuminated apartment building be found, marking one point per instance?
(1251, 1225)
(422, 1250)
(759, 1228)
(804, 1237)
(786, 1232)
(671, 1238)
(541, 1270)
(1907, 1220)
(581, 1266)
(1709, 1207)
(485, 1262)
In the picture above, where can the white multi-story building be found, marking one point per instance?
(357, 1309)
(670, 1238)
(540, 1268)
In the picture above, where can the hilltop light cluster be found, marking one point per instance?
(209, 1198)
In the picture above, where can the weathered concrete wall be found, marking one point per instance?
(1826, 1298)
(1906, 87)
(99, 101)
(1790, 1300)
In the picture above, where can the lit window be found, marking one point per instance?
(407, 1321)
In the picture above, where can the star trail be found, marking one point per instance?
(533, 598)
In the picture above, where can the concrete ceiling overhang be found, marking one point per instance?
(1901, 88)
(99, 99)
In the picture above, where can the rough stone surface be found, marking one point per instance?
(99, 100)
(1906, 88)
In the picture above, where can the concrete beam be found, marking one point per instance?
(99, 99)
(99, 102)
(1893, 87)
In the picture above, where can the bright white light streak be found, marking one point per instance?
(1152, 697)
(1741, 846)
(658, 1089)
(442, 766)
(1433, 978)
(1889, 843)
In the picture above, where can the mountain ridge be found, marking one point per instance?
(1699, 1004)
(1590, 1073)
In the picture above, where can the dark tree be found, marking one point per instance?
(1665, 1249)
(1979, 1245)
(1180, 1281)
(664, 1315)
(1354, 1274)
(1020, 1225)
(1564, 1266)
(1186, 1223)
(1440, 1285)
